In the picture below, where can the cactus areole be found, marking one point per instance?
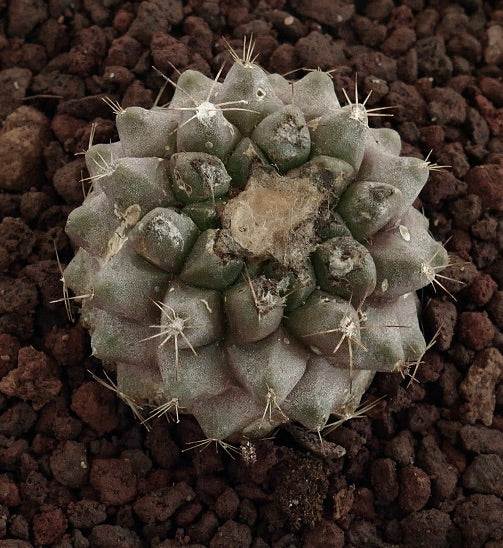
(250, 254)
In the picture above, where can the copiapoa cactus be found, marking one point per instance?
(249, 253)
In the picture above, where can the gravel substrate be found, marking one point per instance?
(425, 466)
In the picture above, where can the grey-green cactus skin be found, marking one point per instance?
(252, 263)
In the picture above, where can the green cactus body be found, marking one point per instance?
(250, 253)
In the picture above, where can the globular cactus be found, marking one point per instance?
(249, 254)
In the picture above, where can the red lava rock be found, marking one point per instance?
(409, 104)
(480, 439)
(201, 36)
(168, 51)
(495, 309)
(17, 238)
(65, 127)
(478, 127)
(14, 83)
(232, 533)
(89, 50)
(227, 503)
(422, 416)
(479, 384)
(284, 59)
(484, 181)
(492, 89)
(493, 52)
(401, 448)
(324, 534)
(363, 503)
(327, 12)
(477, 516)
(33, 204)
(46, 277)
(122, 20)
(114, 479)
(66, 346)
(85, 513)
(24, 16)
(446, 106)
(288, 25)
(327, 51)
(33, 380)
(415, 489)
(441, 316)
(9, 492)
(95, 405)
(399, 41)
(69, 464)
(442, 185)
(369, 32)
(163, 449)
(460, 272)
(17, 420)
(137, 95)
(124, 51)
(17, 307)
(189, 512)
(433, 521)
(203, 530)
(150, 18)
(49, 526)
(493, 116)
(453, 155)
(432, 59)
(481, 290)
(117, 76)
(475, 329)
(22, 139)
(383, 477)
(433, 461)
(113, 536)
(485, 475)
(9, 348)
(163, 503)
(486, 228)
(363, 533)
(433, 137)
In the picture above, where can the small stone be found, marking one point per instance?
(485, 475)
(114, 479)
(22, 140)
(434, 522)
(481, 290)
(49, 526)
(415, 489)
(69, 464)
(163, 503)
(227, 504)
(478, 516)
(85, 513)
(434, 462)
(232, 533)
(475, 329)
(478, 386)
(24, 16)
(493, 53)
(95, 405)
(481, 439)
(383, 476)
(113, 536)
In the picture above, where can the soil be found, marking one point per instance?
(422, 468)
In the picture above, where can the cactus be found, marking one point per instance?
(250, 254)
